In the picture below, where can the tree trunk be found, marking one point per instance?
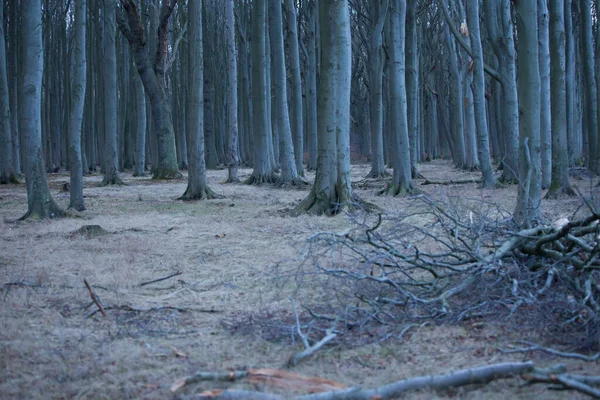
(591, 95)
(13, 81)
(311, 84)
(233, 158)
(571, 83)
(7, 170)
(289, 173)
(483, 141)
(412, 82)
(78, 89)
(529, 198)
(545, 117)
(39, 201)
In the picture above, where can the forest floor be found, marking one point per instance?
(226, 251)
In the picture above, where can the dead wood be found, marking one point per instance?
(94, 298)
(476, 375)
(548, 350)
(161, 279)
(450, 182)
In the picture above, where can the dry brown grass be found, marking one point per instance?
(225, 249)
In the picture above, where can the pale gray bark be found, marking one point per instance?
(311, 84)
(529, 198)
(379, 9)
(560, 155)
(263, 169)
(332, 190)
(140, 139)
(280, 111)
(13, 81)
(233, 158)
(7, 170)
(111, 160)
(78, 89)
(472, 158)
(296, 112)
(412, 82)
(39, 201)
(545, 118)
(483, 141)
(570, 49)
(197, 188)
(591, 95)
(401, 179)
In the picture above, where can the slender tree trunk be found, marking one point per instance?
(289, 173)
(39, 201)
(456, 102)
(311, 84)
(591, 95)
(483, 141)
(412, 82)
(529, 198)
(263, 169)
(545, 117)
(233, 158)
(560, 155)
(13, 81)
(78, 89)
(574, 151)
(7, 170)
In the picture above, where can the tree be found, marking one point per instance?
(332, 190)
(39, 201)
(111, 155)
(379, 10)
(412, 82)
(78, 89)
(153, 78)
(197, 187)
(281, 115)
(483, 142)
(529, 197)
(401, 178)
(233, 158)
(545, 116)
(7, 170)
(560, 155)
(591, 95)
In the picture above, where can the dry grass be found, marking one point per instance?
(225, 248)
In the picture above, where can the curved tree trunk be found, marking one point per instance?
(78, 90)
(483, 141)
(39, 201)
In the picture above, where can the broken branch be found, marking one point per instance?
(94, 298)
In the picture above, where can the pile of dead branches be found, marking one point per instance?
(440, 262)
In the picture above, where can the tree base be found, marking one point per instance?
(9, 178)
(112, 180)
(296, 182)
(204, 193)
(558, 192)
(43, 210)
(262, 179)
(139, 174)
(233, 180)
(398, 190)
(317, 205)
(167, 174)
(374, 174)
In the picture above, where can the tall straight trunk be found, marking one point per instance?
(560, 155)
(140, 138)
(197, 187)
(7, 169)
(545, 117)
(483, 141)
(39, 201)
(296, 87)
(573, 149)
(281, 116)
(456, 102)
(332, 190)
(263, 169)
(401, 179)
(78, 89)
(233, 158)
(111, 114)
(311, 85)
(379, 9)
(412, 82)
(13, 81)
(472, 159)
(529, 197)
(591, 95)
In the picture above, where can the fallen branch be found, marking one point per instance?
(141, 310)
(94, 298)
(450, 182)
(161, 279)
(535, 347)
(463, 377)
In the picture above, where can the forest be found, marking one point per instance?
(308, 199)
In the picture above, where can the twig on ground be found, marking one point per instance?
(94, 298)
(161, 279)
(535, 347)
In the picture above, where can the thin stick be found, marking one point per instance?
(535, 347)
(94, 298)
(161, 279)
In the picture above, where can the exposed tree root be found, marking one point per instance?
(233, 180)
(398, 190)
(255, 179)
(450, 182)
(373, 174)
(204, 193)
(298, 182)
(44, 209)
(112, 180)
(556, 193)
(167, 174)
(320, 205)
